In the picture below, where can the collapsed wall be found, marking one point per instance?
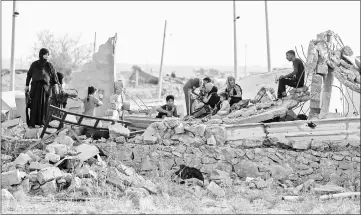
(228, 154)
(324, 162)
(100, 73)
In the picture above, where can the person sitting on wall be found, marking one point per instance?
(169, 109)
(233, 90)
(295, 79)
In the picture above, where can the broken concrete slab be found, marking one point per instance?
(86, 151)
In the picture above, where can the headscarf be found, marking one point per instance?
(91, 90)
(208, 87)
(229, 86)
(43, 52)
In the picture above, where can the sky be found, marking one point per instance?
(198, 33)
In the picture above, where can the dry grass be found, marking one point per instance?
(178, 199)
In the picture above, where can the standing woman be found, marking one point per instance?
(233, 90)
(44, 82)
(190, 85)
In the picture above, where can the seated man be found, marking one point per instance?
(209, 102)
(169, 109)
(295, 79)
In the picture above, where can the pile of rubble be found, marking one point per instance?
(66, 169)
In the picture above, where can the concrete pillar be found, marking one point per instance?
(326, 92)
(315, 101)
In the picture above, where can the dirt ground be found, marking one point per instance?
(166, 204)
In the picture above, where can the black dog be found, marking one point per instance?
(186, 172)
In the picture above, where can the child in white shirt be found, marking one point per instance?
(224, 108)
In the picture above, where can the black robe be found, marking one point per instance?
(43, 78)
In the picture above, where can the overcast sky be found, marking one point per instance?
(198, 33)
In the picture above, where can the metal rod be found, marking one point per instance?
(161, 64)
(12, 62)
(267, 36)
(235, 39)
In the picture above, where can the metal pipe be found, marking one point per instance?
(12, 62)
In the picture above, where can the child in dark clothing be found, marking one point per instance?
(169, 109)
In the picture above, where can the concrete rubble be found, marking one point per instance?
(127, 166)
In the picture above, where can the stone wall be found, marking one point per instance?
(325, 161)
(100, 73)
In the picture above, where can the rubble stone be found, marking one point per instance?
(48, 174)
(10, 178)
(211, 141)
(216, 190)
(148, 185)
(86, 151)
(50, 187)
(6, 195)
(64, 140)
(22, 159)
(52, 157)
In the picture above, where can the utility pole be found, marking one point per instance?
(12, 61)
(235, 39)
(161, 65)
(267, 36)
(95, 42)
(245, 61)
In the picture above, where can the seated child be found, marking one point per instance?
(224, 107)
(169, 109)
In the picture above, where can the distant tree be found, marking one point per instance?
(200, 71)
(213, 72)
(66, 54)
